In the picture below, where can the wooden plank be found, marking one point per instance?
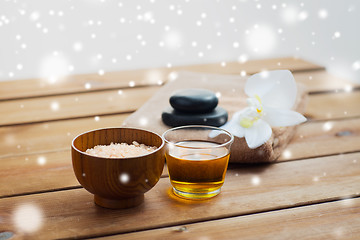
(50, 136)
(38, 173)
(311, 139)
(317, 81)
(39, 154)
(254, 66)
(80, 83)
(314, 139)
(72, 213)
(334, 105)
(333, 220)
(34, 142)
(320, 106)
(73, 106)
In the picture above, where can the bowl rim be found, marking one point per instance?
(93, 130)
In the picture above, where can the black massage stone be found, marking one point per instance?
(175, 118)
(194, 100)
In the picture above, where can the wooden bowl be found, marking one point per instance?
(117, 182)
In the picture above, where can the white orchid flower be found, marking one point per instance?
(271, 96)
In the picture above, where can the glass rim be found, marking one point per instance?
(199, 126)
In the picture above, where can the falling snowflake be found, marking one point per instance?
(54, 106)
(87, 85)
(286, 154)
(28, 218)
(255, 180)
(243, 58)
(327, 126)
(323, 13)
(289, 15)
(172, 40)
(124, 178)
(34, 16)
(101, 72)
(131, 84)
(143, 121)
(54, 67)
(336, 35)
(41, 160)
(303, 15)
(348, 88)
(255, 39)
(19, 66)
(78, 46)
(356, 65)
(173, 76)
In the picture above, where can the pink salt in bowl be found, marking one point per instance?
(117, 182)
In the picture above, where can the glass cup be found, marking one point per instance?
(197, 158)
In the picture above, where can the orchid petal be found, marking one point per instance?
(258, 134)
(283, 95)
(234, 127)
(282, 117)
(275, 88)
(258, 84)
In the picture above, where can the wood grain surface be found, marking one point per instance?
(123, 79)
(334, 106)
(15, 138)
(322, 81)
(329, 105)
(283, 185)
(312, 192)
(312, 139)
(50, 136)
(42, 172)
(73, 106)
(333, 220)
(323, 138)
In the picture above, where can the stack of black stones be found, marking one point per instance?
(194, 107)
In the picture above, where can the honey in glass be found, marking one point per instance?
(198, 164)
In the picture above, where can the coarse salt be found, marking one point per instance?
(120, 150)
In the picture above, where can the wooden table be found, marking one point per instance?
(312, 192)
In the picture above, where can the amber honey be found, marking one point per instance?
(197, 168)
